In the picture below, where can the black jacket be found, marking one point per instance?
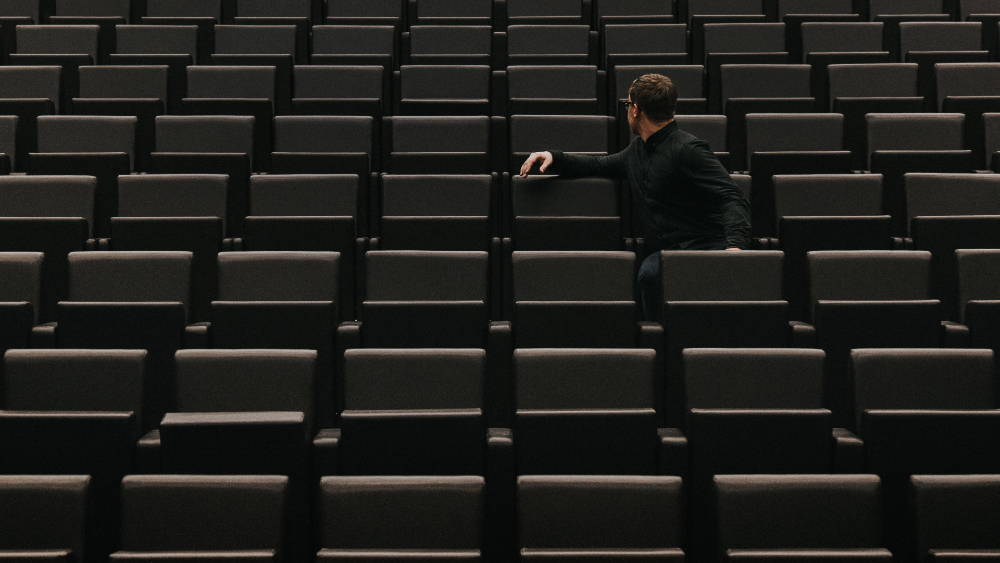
(680, 191)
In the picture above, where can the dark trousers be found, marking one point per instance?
(649, 274)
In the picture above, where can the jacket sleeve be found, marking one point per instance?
(705, 170)
(579, 165)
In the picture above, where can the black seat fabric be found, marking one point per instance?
(20, 296)
(46, 517)
(179, 515)
(602, 421)
(380, 517)
(436, 395)
(807, 516)
(616, 517)
(950, 512)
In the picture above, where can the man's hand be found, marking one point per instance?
(544, 157)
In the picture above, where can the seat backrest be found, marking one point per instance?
(173, 195)
(562, 82)
(48, 196)
(765, 81)
(951, 194)
(573, 276)
(894, 7)
(600, 511)
(204, 133)
(576, 379)
(231, 82)
(130, 276)
(323, 133)
(203, 512)
(645, 38)
(365, 8)
(278, 276)
(274, 8)
(794, 132)
(326, 195)
(991, 122)
(977, 276)
(87, 133)
(570, 133)
(21, 278)
(955, 511)
(21, 8)
(736, 276)
(124, 82)
(157, 40)
(57, 40)
(440, 134)
(744, 38)
(451, 40)
(185, 8)
(786, 7)
(535, 8)
(915, 131)
(557, 197)
(922, 379)
(436, 195)
(869, 275)
(709, 128)
(31, 82)
(968, 7)
(103, 8)
(724, 7)
(548, 39)
(353, 39)
(445, 82)
(44, 512)
(841, 37)
(966, 79)
(321, 81)
(454, 8)
(940, 36)
(439, 513)
(798, 511)
(255, 40)
(633, 8)
(888, 80)
(753, 378)
(689, 80)
(245, 380)
(8, 137)
(827, 194)
(74, 380)
(414, 379)
(420, 275)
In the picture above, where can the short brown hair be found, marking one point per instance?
(655, 95)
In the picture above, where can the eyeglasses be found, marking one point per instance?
(627, 103)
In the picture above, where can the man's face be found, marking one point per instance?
(633, 117)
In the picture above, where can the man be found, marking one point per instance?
(683, 197)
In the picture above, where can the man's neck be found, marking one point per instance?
(648, 128)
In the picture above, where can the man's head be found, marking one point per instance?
(653, 98)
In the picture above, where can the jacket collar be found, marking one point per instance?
(664, 131)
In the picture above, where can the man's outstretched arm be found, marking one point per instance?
(578, 165)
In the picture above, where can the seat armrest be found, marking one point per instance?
(848, 453)
(147, 454)
(326, 452)
(500, 380)
(673, 452)
(803, 335)
(198, 336)
(43, 336)
(955, 335)
(232, 244)
(501, 490)
(902, 243)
